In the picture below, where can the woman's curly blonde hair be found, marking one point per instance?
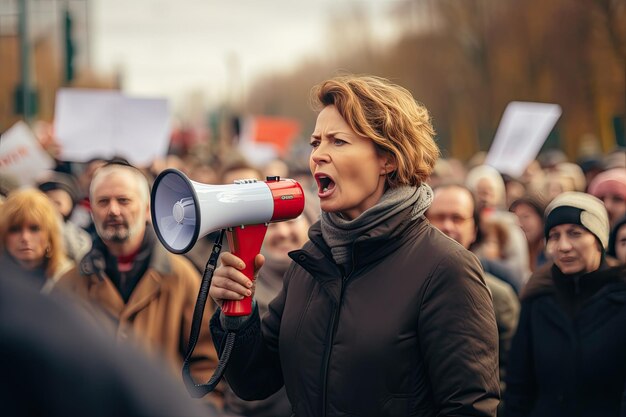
(31, 206)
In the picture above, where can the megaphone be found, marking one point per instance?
(184, 210)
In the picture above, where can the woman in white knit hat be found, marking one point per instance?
(567, 357)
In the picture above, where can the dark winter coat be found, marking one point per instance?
(409, 331)
(568, 357)
(57, 361)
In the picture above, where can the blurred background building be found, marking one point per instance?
(44, 45)
(464, 59)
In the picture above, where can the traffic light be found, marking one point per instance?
(69, 47)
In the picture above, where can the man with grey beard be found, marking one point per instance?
(148, 293)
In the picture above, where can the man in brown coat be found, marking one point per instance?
(148, 292)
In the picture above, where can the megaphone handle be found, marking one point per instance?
(245, 242)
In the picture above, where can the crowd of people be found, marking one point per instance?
(412, 284)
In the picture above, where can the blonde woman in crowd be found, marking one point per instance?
(31, 240)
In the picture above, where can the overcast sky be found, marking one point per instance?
(172, 47)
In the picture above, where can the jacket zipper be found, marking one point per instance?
(577, 356)
(333, 330)
(330, 338)
(577, 284)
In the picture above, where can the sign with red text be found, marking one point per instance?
(523, 129)
(21, 156)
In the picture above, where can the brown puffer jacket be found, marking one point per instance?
(410, 331)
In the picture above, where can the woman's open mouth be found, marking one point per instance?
(325, 185)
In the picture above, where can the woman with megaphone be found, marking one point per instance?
(380, 314)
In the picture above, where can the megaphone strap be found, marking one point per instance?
(200, 390)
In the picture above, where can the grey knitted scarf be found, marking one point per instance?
(340, 233)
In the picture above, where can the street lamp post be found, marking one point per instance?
(24, 58)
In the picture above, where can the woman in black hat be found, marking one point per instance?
(568, 356)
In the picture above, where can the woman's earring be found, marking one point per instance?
(47, 255)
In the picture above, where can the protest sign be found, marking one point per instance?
(265, 138)
(21, 156)
(102, 124)
(523, 129)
